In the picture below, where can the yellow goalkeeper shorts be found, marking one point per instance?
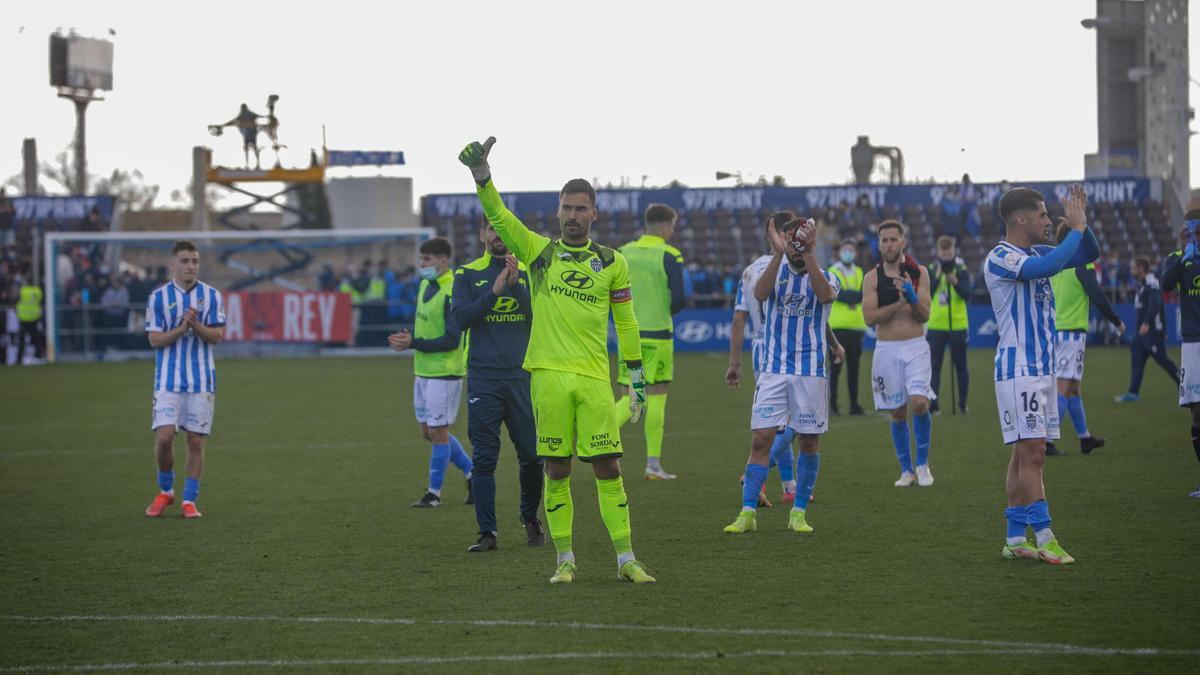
(574, 411)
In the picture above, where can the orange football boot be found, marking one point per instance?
(190, 510)
(160, 504)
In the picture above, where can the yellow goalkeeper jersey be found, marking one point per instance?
(573, 288)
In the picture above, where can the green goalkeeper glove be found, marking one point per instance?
(637, 390)
(474, 156)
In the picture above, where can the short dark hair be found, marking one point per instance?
(437, 246)
(577, 186)
(660, 214)
(184, 245)
(1019, 199)
(778, 220)
(848, 242)
(1194, 214)
(892, 224)
(1142, 262)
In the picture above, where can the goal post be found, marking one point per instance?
(287, 292)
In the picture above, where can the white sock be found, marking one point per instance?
(751, 509)
(437, 493)
(566, 557)
(467, 475)
(1044, 536)
(1015, 541)
(653, 463)
(1087, 435)
(789, 486)
(623, 558)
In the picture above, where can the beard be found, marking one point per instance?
(498, 249)
(893, 257)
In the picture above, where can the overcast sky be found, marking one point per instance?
(673, 90)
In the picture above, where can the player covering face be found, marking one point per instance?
(793, 389)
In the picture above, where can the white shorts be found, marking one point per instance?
(1189, 374)
(1028, 407)
(436, 401)
(1069, 348)
(190, 412)
(900, 369)
(798, 401)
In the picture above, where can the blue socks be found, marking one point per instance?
(166, 480)
(1074, 407)
(1015, 515)
(900, 440)
(756, 475)
(439, 460)
(191, 489)
(781, 453)
(459, 456)
(922, 429)
(807, 479)
(1038, 515)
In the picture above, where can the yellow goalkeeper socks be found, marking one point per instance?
(656, 420)
(614, 509)
(560, 511)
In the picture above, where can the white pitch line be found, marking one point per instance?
(524, 658)
(688, 630)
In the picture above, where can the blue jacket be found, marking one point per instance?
(497, 326)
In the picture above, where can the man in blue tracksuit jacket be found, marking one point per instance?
(491, 303)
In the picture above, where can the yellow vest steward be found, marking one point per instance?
(947, 308)
(843, 316)
(29, 304)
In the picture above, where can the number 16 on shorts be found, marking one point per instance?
(1028, 407)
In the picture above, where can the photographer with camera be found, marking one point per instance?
(950, 287)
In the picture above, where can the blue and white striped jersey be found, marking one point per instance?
(187, 364)
(1024, 311)
(746, 302)
(794, 332)
(1070, 336)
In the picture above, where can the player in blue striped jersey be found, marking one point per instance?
(185, 319)
(792, 389)
(1018, 277)
(747, 308)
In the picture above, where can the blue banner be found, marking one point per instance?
(365, 158)
(708, 330)
(438, 207)
(64, 210)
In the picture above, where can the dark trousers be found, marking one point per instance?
(958, 357)
(490, 402)
(852, 340)
(32, 331)
(1144, 347)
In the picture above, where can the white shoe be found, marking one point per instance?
(658, 474)
(924, 476)
(906, 479)
(1194, 495)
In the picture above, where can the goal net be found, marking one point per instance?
(286, 292)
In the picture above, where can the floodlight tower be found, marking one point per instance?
(79, 67)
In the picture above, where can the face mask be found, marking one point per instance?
(847, 257)
(427, 273)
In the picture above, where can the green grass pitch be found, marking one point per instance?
(309, 557)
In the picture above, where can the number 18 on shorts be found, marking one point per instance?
(1028, 407)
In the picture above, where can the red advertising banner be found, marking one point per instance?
(287, 316)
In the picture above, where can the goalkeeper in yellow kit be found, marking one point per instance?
(574, 282)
